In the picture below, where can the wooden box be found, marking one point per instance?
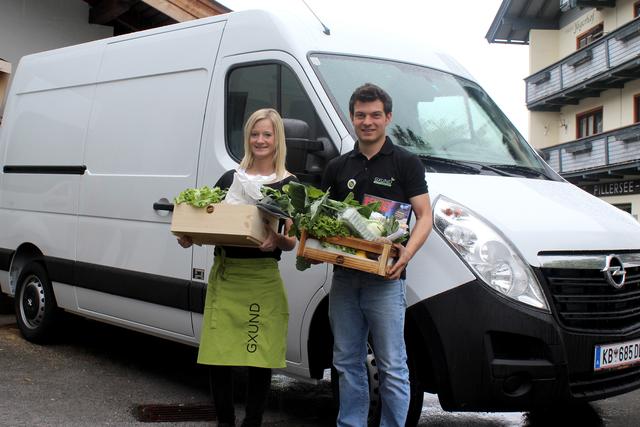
(222, 224)
(379, 255)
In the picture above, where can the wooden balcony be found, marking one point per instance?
(605, 64)
(609, 155)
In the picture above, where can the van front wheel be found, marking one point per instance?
(35, 305)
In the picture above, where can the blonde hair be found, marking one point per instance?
(278, 134)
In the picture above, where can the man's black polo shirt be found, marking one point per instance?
(393, 173)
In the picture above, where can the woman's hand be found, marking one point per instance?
(185, 241)
(278, 241)
(269, 244)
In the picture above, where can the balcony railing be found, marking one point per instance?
(616, 147)
(605, 64)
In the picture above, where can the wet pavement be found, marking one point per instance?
(99, 375)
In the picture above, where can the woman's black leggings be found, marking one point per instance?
(258, 385)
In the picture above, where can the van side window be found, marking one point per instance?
(258, 86)
(248, 89)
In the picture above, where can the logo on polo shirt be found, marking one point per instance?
(351, 184)
(383, 181)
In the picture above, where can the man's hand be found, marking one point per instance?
(396, 269)
(422, 210)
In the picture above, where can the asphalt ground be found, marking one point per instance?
(99, 375)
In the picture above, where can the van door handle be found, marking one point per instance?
(161, 206)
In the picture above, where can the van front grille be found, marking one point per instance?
(584, 300)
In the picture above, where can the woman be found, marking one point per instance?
(246, 312)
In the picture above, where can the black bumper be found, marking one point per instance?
(492, 354)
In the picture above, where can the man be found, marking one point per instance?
(361, 303)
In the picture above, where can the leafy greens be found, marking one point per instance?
(201, 197)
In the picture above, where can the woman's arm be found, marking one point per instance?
(281, 241)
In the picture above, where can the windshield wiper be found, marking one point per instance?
(471, 167)
(522, 170)
(451, 163)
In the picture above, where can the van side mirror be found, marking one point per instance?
(299, 146)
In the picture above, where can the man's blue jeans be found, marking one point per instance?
(359, 304)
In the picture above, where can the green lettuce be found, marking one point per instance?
(201, 197)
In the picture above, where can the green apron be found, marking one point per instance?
(245, 314)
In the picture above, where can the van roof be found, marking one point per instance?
(297, 30)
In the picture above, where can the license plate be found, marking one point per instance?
(611, 356)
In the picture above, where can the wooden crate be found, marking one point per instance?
(222, 224)
(384, 252)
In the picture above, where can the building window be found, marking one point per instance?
(589, 36)
(623, 207)
(589, 123)
(636, 9)
(636, 108)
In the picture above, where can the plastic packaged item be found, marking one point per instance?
(245, 188)
(357, 223)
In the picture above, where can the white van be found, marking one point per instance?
(525, 294)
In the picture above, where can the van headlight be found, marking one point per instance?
(492, 258)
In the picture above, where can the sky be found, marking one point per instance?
(457, 27)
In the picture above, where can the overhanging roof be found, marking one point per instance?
(516, 18)
(127, 16)
(5, 67)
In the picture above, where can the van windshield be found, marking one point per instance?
(448, 121)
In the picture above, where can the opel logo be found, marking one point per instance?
(614, 272)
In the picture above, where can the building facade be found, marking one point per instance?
(583, 91)
(29, 26)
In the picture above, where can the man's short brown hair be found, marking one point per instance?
(369, 92)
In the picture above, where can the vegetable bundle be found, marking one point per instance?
(201, 197)
(311, 209)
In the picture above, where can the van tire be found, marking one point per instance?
(35, 304)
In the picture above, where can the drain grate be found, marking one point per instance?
(174, 413)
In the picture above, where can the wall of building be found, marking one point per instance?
(617, 111)
(626, 102)
(5, 75)
(623, 12)
(634, 200)
(543, 49)
(611, 18)
(29, 26)
(547, 129)
(569, 33)
(549, 46)
(612, 118)
(544, 128)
